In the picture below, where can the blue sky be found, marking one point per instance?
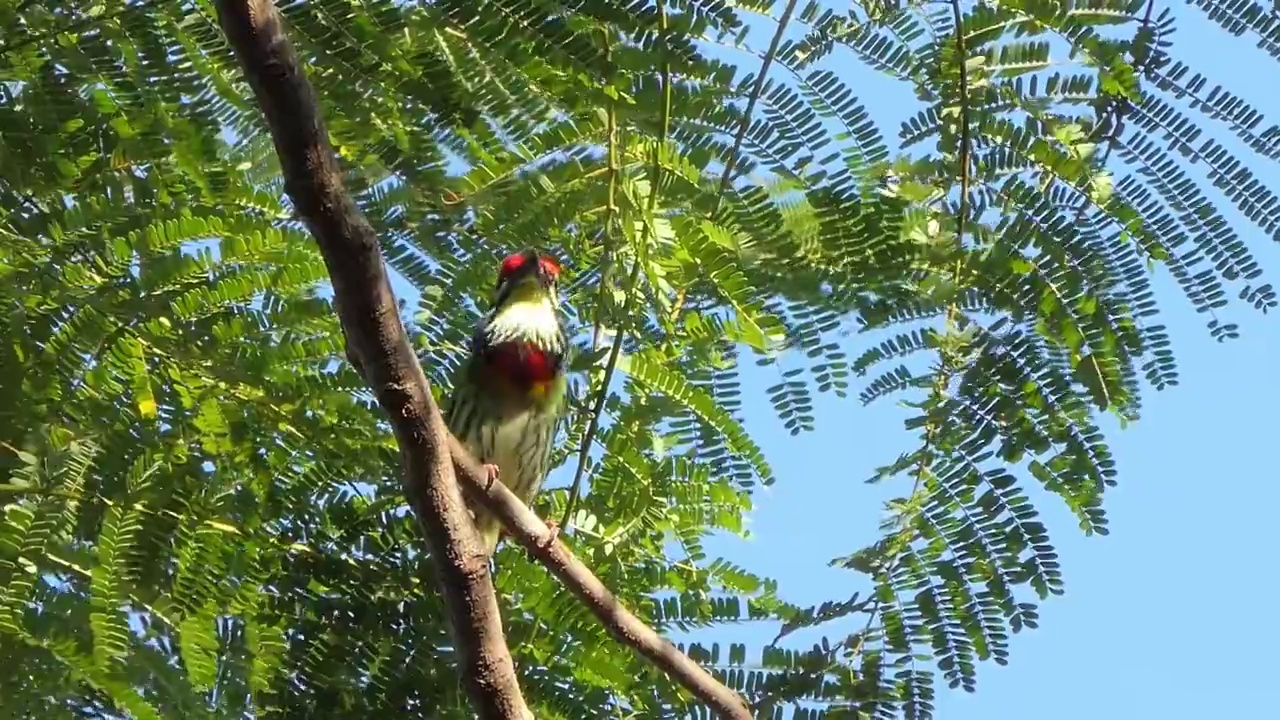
(1165, 617)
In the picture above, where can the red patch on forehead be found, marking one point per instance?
(515, 262)
(512, 263)
(549, 266)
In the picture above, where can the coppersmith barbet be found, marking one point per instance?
(509, 395)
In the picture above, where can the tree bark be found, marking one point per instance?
(376, 336)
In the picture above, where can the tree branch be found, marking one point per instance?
(435, 463)
(526, 527)
(376, 336)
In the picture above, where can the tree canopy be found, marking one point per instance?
(202, 512)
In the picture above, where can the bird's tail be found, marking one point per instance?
(489, 528)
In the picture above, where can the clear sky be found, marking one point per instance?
(1165, 617)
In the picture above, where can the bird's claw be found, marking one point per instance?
(554, 528)
(490, 475)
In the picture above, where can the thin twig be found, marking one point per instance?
(765, 64)
(731, 161)
(597, 409)
(611, 365)
(904, 532)
(606, 261)
(606, 279)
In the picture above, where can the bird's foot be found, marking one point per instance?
(490, 475)
(554, 528)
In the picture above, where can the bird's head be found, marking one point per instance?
(525, 276)
(526, 302)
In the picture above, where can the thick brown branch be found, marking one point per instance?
(525, 526)
(377, 344)
(376, 336)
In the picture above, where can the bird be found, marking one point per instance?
(509, 394)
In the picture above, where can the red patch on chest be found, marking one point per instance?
(523, 363)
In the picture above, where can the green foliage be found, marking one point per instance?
(202, 511)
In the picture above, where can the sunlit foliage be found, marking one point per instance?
(201, 511)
